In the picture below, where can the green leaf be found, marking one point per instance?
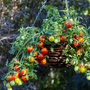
(49, 32)
(7, 62)
(48, 7)
(70, 56)
(4, 82)
(67, 60)
(86, 53)
(51, 48)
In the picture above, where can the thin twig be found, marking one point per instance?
(39, 12)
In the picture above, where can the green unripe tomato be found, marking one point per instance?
(73, 63)
(56, 40)
(9, 89)
(88, 77)
(76, 68)
(23, 37)
(17, 80)
(51, 38)
(20, 82)
(12, 83)
(8, 85)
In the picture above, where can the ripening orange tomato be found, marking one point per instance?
(81, 40)
(63, 38)
(76, 43)
(43, 62)
(29, 48)
(40, 45)
(35, 54)
(31, 59)
(41, 38)
(10, 78)
(78, 51)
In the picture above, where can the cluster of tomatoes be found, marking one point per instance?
(17, 78)
(79, 42)
(38, 57)
(82, 68)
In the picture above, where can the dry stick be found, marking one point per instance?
(68, 15)
(39, 12)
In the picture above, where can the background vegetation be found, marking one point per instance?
(17, 13)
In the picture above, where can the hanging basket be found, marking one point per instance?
(57, 58)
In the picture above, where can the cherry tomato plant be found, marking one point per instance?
(30, 49)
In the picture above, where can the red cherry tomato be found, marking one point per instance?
(15, 62)
(24, 71)
(29, 48)
(60, 36)
(69, 25)
(40, 45)
(40, 56)
(42, 38)
(43, 62)
(44, 51)
(24, 78)
(76, 43)
(76, 37)
(63, 38)
(10, 78)
(16, 68)
(81, 34)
